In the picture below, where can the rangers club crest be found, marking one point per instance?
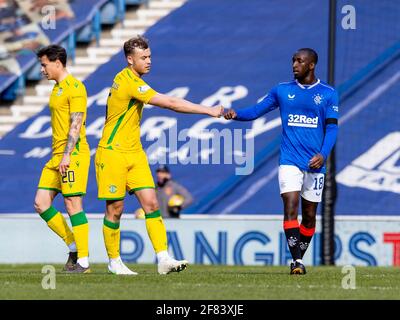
(318, 98)
(292, 241)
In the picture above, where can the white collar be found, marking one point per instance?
(308, 87)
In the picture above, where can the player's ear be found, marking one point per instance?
(129, 59)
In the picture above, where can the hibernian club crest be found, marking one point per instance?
(112, 189)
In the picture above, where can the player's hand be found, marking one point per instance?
(316, 162)
(217, 111)
(64, 164)
(230, 114)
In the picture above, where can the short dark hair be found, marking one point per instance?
(133, 43)
(311, 52)
(54, 52)
(163, 168)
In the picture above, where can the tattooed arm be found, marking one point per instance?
(73, 136)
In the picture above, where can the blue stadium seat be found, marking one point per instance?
(85, 28)
(34, 73)
(16, 89)
(112, 12)
(91, 30)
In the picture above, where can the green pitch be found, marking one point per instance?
(200, 282)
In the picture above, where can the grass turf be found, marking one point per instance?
(200, 282)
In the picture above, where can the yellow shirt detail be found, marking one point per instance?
(67, 97)
(125, 102)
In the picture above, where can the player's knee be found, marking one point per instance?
(117, 209)
(37, 206)
(116, 213)
(291, 209)
(291, 215)
(117, 216)
(151, 205)
(114, 210)
(291, 203)
(72, 205)
(40, 205)
(69, 207)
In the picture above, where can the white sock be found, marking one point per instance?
(84, 262)
(115, 260)
(162, 255)
(72, 247)
(299, 260)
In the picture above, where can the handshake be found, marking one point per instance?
(219, 111)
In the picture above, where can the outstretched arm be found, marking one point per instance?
(269, 103)
(249, 113)
(184, 106)
(73, 136)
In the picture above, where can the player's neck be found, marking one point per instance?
(134, 71)
(62, 76)
(308, 80)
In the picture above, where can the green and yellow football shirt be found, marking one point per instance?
(127, 97)
(67, 97)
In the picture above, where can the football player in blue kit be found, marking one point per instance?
(309, 112)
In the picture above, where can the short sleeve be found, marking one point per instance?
(142, 91)
(78, 98)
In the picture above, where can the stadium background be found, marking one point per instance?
(215, 52)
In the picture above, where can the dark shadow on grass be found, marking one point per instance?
(253, 273)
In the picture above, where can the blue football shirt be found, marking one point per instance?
(304, 110)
